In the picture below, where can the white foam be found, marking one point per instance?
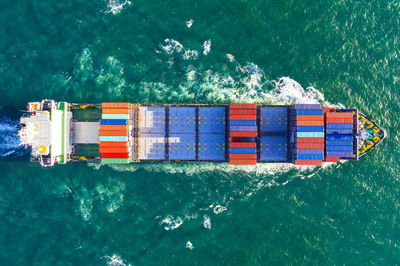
(190, 55)
(189, 23)
(171, 46)
(206, 47)
(189, 245)
(207, 222)
(171, 223)
(115, 260)
(116, 6)
(218, 209)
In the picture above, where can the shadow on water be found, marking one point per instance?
(10, 146)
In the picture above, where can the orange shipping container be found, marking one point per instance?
(116, 111)
(339, 115)
(243, 133)
(243, 145)
(308, 162)
(242, 156)
(114, 150)
(310, 140)
(243, 162)
(243, 111)
(116, 105)
(111, 144)
(310, 145)
(114, 133)
(242, 117)
(113, 127)
(310, 118)
(310, 123)
(243, 106)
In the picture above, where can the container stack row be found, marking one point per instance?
(243, 134)
(116, 133)
(339, 135)
(307, 134)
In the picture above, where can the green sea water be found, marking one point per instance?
(342, 53)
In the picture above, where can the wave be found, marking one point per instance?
(10, 145)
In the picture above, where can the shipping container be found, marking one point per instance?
(339, 126)
(182, 120)
(308, 162)
(114, 133)
(243, 162)
(211, 147)
(339, 137)
(242, 117)
(243, 106)
(115, 116)
(310, 140)
(310, 134)
(307, 106)
(339, 148)
(242, 156)
(115, 155)
(243, 145)
(310, 151)
(328, 110)
(274, 148)
(212, 120)
(113, 144)
(116, 111)
(339, 115)
(339, 154)
(332, 159)
(339, 121)
(182, 147)
(113, 122)
(151, 147)
(115, 127)
(273, 119)
(114, 138)
(243, 111)
(115, 150)
(310, 129)
(339, 142)
(152, 120)
(243, 150)
(309, 112)
(309, 118)
(310, 145)
(310, 123)
(309, 157)
(331, 131)
(243, 134)
(243, 128)
(243, 123)
(116, 105)
(115, 160)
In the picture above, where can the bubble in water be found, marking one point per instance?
(207, 222)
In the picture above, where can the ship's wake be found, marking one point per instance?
(10, 145)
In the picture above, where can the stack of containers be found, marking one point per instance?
(243, 127)
(307, 133)
(339, 135)
(116, 133)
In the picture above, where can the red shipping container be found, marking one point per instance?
(332, 159)
(243, 133)
(310, 145)
(243, 106)
(310, 123)
(339, 121)
(242, 117)
(308, 162)
(235, 139)
(243, 162)
(242, 156)
(116, 105)
(115, 155)
(113, 150)
(310, 118)
(339, 115)
(114, 133)
(116, 111)
(114, 127)
(243, 145)
(111, 144)
(310, 140)
(243, 111)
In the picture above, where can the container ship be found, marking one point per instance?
(236, 133)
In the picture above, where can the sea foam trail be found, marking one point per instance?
(10, 145)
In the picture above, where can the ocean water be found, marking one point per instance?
(340, 53)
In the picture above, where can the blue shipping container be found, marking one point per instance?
(340, 126)
(243, 150)
(182, 147)
(273, 119)
(182, 120)
(339, 148)
(339, 131)
(306, 106)
(310, 151)
(243, 123)
(310, 129)
(339, 142)
(309, 112)
(113, 122)
(212, 147)
(339, 137)
(212, 120)
(309, 157)
(339, 153)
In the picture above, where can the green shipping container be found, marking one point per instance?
(114, 160)
(114, 138)
(310, 134)
(115, 116)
